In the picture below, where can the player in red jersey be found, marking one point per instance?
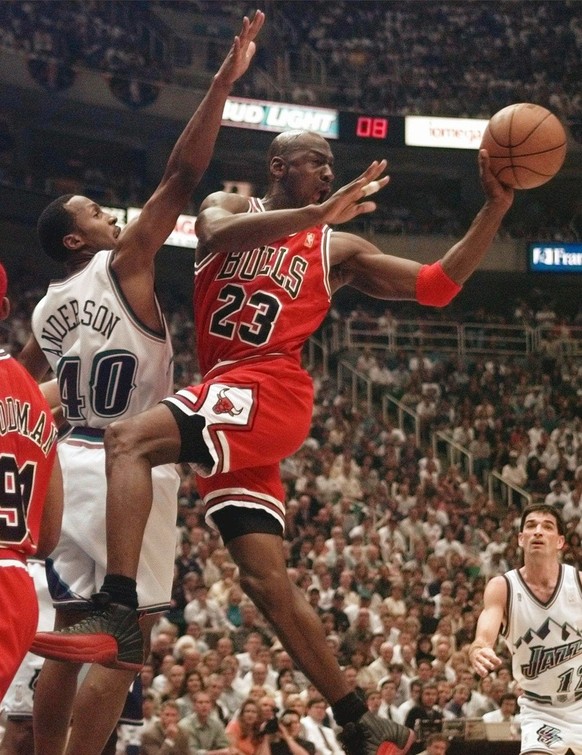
(31, 501)
(265, 273)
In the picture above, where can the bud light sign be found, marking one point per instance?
(556, 257)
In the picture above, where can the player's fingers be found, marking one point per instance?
(373, 186)
(373, 171)
(245, 27)
(369, 176)
(257, 23)
(364, 207)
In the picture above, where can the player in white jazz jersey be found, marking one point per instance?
(538, 611)
(103, 334)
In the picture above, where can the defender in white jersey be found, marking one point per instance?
(108, 365)
(538, 611)
(102, 332)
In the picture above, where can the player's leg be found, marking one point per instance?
(132, 448)
(96, 710)
(263, 576)
(17, 739)
(99, 703)
(51, 722)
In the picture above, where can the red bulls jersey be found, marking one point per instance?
(262, 301)
(27, 448)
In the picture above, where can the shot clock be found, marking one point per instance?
(363, 127)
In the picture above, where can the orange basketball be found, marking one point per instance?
(526, 144)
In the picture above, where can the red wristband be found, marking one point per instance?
(434, 287)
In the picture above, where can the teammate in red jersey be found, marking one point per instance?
(265, 273)
(31, 501)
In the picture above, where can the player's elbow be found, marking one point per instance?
(209, 230)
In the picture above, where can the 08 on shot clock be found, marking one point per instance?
(364, 127)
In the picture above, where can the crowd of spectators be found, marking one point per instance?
(418, 58)
(463, 59)
(391, 545)
(96, 34)
(379, 56)
(450, 59)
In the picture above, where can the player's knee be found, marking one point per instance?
(268, 590)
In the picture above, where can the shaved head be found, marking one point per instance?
(291, 141)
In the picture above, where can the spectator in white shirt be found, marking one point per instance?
(206, 612)
(388, 708)
(507, 711)
(512, 472)
(323, 737)
(559, 496)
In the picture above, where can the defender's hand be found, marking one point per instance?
(243, 48)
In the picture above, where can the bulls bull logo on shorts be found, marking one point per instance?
(224, 405)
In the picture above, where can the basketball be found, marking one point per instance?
(526, 145)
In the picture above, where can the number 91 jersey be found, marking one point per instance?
(27, 449)
(108, 364)
(263, 301)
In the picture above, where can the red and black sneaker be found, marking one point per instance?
(110, 635)
(374, 735)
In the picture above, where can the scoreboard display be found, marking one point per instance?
(367, 127)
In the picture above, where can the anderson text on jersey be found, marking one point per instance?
(69, 316)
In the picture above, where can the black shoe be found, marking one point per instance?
(110, 635)
(374, 735)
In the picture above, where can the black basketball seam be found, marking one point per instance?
(515, 178)
(527, 136)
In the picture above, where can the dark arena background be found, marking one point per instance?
(420, 414)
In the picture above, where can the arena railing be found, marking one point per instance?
(361, 389)
(507, 491)
(468, 338)
(356, 384)
(405, 416)
(455, 452)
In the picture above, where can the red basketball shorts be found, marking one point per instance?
(18, 619)
(255, 414)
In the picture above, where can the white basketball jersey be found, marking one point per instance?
(91, 338)
(546, 638)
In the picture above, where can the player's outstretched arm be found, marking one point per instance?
(359, 263)
(221, 225)
(463, 258)
(481, 654)
(189, 158)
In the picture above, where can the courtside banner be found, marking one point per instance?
(450, 133)
(262, 115)
(554, 257)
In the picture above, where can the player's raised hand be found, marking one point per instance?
(345, 204)
(243, 48)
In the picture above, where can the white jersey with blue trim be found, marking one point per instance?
(545, 638)
(108, 364)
